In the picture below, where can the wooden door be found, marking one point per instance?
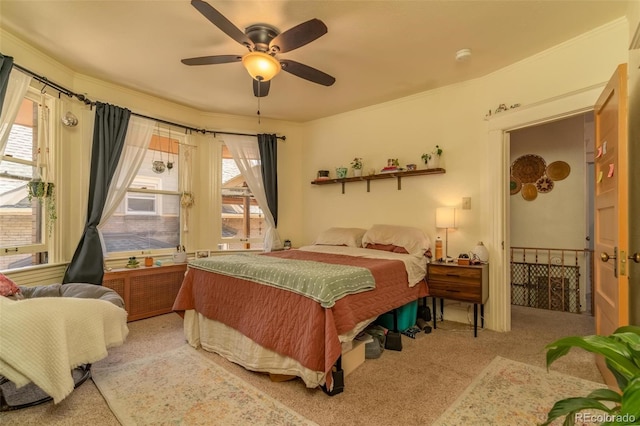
(611, 287)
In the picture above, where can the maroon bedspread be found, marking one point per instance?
(291, 324)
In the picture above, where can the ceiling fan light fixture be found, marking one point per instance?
(261, 66)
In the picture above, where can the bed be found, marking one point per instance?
(253, 321)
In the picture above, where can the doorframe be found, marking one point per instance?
(498, 315)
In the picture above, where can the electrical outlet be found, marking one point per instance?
(466, 203)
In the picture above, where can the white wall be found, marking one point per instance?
(454, 118)
(555, 219)
(403, 129)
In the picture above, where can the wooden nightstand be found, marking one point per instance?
(465, 283)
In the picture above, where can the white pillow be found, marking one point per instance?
(414, 240)
(351, 237)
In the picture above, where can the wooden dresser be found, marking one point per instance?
(465, 283)
(147, 291)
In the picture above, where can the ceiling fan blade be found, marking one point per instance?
(298, 36)
(211, 60)
(261, 88)
(307, 72)
(221, 22)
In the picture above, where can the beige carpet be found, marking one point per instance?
(511, 392)
(181, 386)
(412, 387)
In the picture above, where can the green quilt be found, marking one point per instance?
(322, 282)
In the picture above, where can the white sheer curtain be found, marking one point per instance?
(136, 143)
(16, 89)
(245, 149)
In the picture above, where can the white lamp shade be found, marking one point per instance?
(261, 66)
(445, 217)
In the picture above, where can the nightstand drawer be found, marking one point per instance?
(450, 290)
(461, 275)
(464, 283)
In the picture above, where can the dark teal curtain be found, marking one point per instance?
(268, 145)
(6, 64)
(109, 133)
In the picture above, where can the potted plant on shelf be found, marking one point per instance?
(44, 192)
(432, 159)
(622, 355)
(356, 165)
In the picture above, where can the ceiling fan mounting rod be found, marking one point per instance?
(261, 35)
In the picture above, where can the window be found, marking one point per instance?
(141, 202)
(242, 221)
(23, 234)
(148, 218)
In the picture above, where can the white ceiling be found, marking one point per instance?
(376, 50)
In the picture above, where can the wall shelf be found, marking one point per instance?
(368, 179)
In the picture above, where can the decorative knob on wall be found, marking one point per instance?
(69, 119)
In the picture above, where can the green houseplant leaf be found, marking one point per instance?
(621, 351)
(616, 353)
(631, 399)
(569, 406)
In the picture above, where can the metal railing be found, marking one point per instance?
(549, 278)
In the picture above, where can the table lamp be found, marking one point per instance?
(446, 218)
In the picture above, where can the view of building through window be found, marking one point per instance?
(22, 230)
(148, 218)
(242, 219)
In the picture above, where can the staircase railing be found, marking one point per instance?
(549, 278)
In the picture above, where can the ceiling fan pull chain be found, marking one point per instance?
(259, 86)
(153, 151)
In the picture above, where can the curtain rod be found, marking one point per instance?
(82, 98)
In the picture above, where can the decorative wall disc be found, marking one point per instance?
(528, 168)
(558, 170)
(544, 184)
(515, 185)
(529, 191)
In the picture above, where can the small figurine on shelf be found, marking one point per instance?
(393, 165)
(133, 262)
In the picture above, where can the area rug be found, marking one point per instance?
(508, 392)
(183, 387)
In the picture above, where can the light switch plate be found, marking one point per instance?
(466, 203)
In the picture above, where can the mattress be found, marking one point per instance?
(289, 324)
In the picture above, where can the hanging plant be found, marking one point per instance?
(44, 192)
(169, 160)
(158, 166)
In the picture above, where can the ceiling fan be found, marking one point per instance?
(263, 43)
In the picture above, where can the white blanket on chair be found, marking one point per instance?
(43, 339)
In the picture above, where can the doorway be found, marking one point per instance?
(550, 221)
(498, 316)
